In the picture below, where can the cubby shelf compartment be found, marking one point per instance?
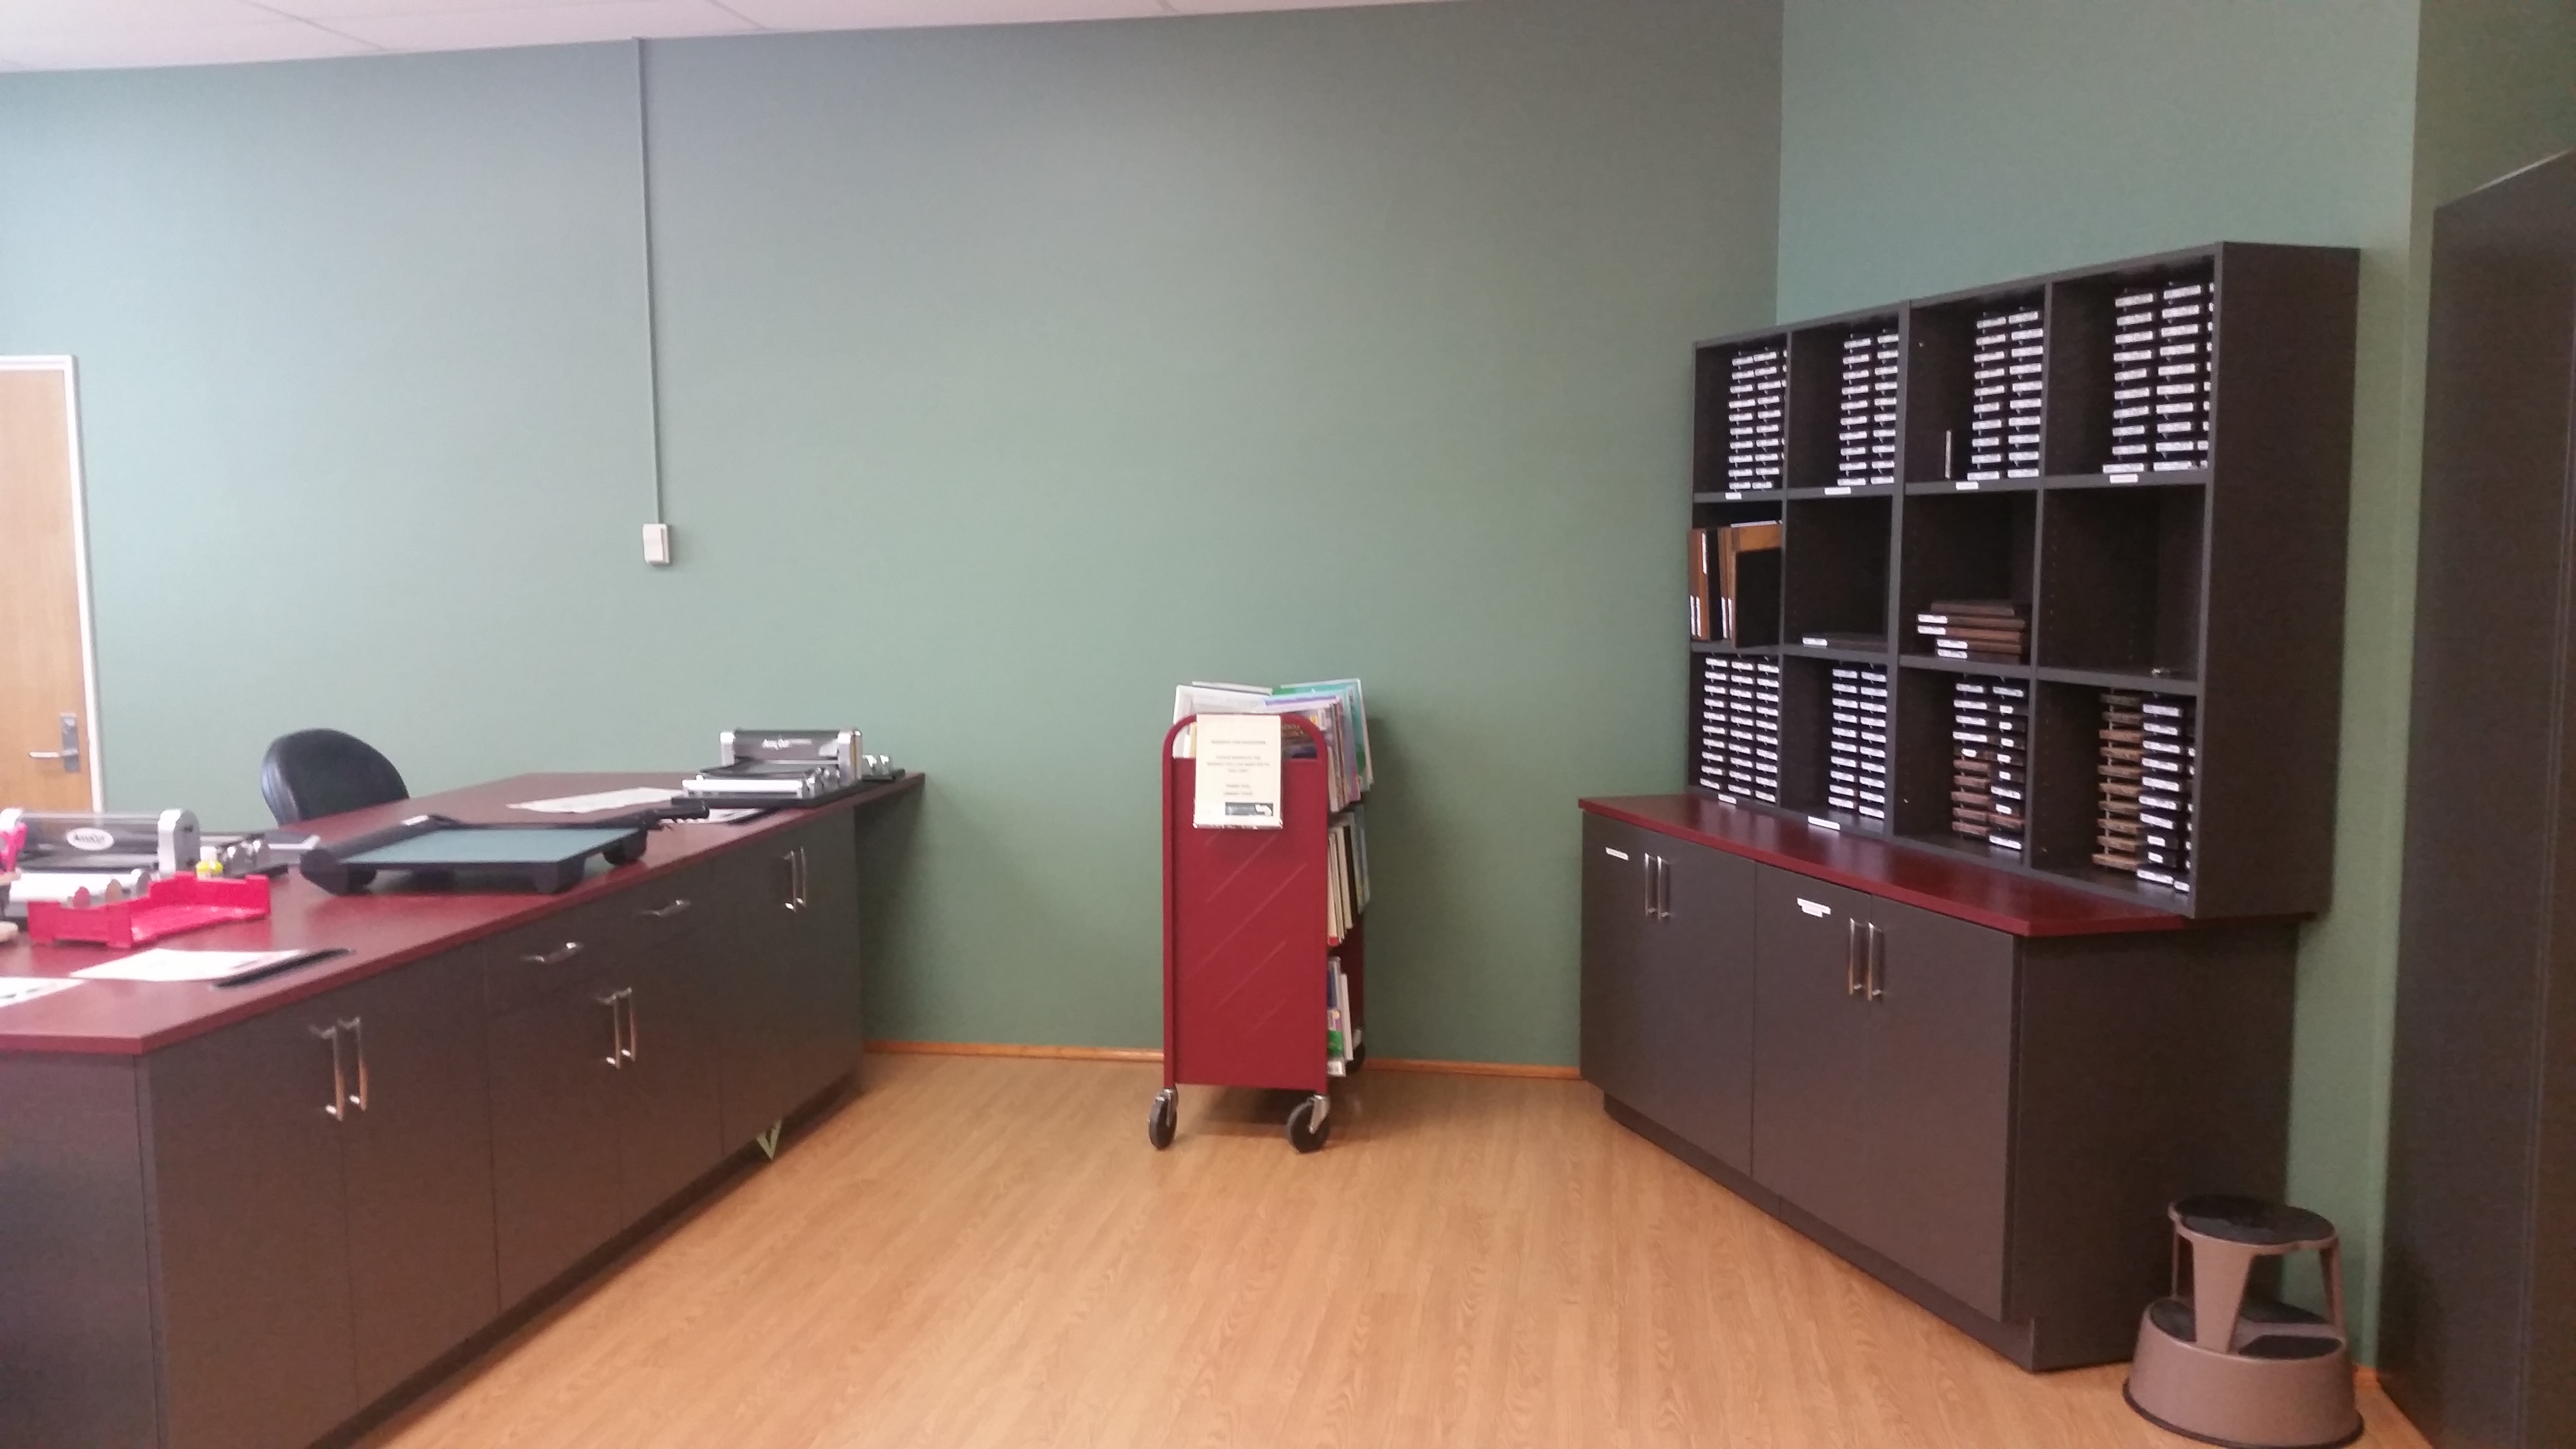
(2220, 584)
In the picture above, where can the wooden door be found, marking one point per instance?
(1699, 1001)
(422, 1267)
(1940, 1100)
(556, 1189)
(44, 674)
(1616, 858)
(671, 1123)
(1811, 1057)
(251, 1241)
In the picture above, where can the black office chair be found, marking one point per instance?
(323, 772)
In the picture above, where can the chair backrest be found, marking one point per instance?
(312, 773)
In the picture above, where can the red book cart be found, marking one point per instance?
(1248, 946)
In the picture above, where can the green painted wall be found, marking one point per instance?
(1932, 147)
(1009, 376)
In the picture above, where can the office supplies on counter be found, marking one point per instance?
(794, 768)
(543, 858)
(163, 842)
(224, 968)
(272, 852)
(598, 801)
(165, 908)
(31, 887)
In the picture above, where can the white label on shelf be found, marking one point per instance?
(1621, 854)
(1731, 497)
(1814, 908)
(1726, 799)
(1965, 485)
(2120, 477)
(1823, 824)
(1838, 489)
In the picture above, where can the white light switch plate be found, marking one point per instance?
(657, 543)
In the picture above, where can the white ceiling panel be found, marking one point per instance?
(97, 34)
(47, 17)
(541, 24)
(890, 14)
(275, 39)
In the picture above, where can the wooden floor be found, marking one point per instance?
(985, 1251)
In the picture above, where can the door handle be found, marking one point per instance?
(634, 1043)
(1646, 871)
(70, 753)
(663, 913)
(1877, 962)
(795, 861)
(356, 1027)
(555, 957)
(1851, 956)
(1663, 887)
(335, 1109)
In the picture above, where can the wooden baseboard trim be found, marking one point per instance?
(1536, 1070)
(1533, 1070)
(1016, 1049)
(2364, 1376)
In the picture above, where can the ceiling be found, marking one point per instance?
(102, 34)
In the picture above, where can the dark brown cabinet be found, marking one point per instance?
(2477, 1323)
(1668, 983)
(255, 1217)
(1988, 1121)
(789, 968)
(419, 1172)
(328, 1228)
(252, 1239)
(1882, 1077)
(605, 1091)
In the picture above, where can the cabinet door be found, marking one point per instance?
(419, 1168)
(555, 1108)
(252, 1232)
(1811, 1056)
(789, 968)
(1940, 1100)
(1616, 859)
(1698, 1001)
(670, 1126)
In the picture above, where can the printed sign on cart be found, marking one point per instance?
(1238, 772)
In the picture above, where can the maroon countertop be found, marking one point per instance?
(379, 931)
(1960, 888)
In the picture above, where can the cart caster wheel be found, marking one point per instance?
(1158, 1122)
(1307, 1127)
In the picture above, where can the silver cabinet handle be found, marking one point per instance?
(795, 878)
(634, 1043)
(616, 1028)
(1646, 867)
(1663, 887)
(334, 1109)
(1877, 962)
(804, 878)
(356, 1027)
(1851, 956)
(663, 913)
(555, 957)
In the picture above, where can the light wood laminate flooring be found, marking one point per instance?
(984, 1251)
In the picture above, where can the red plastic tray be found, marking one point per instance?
(181, 903)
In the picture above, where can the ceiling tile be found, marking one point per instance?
(45, 17)
(188, 45)
(872, 14)
(541, 24)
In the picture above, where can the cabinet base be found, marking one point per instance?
(572, 1280)
(2021, 1342)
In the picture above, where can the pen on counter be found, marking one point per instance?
(301, 958)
